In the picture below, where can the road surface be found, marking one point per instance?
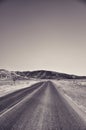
(40, 107)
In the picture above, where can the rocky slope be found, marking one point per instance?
(40, 74)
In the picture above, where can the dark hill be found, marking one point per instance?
(39, 74)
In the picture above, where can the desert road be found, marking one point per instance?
(40, 107)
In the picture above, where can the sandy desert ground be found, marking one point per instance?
(7, 87)
(75, 92)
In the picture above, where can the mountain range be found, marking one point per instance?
(39, 74)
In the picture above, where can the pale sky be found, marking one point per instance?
(43, 35)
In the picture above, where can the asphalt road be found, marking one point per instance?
(40, 107)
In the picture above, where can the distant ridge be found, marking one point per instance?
(39, 74)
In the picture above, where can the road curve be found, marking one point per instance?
(41, 109)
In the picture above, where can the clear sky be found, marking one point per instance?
(43, 34)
